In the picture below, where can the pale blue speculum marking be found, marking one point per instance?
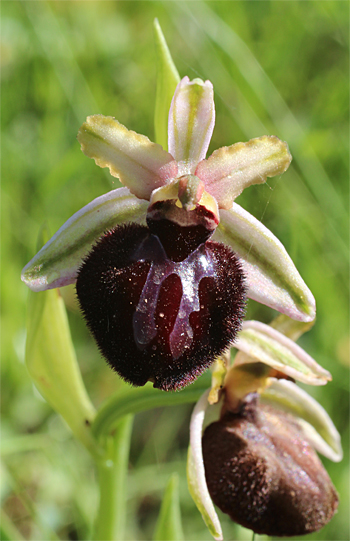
(191, 270)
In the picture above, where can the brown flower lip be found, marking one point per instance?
(156, 318)
(264, 475)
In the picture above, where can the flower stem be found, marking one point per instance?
(112, 473)
(142, 399)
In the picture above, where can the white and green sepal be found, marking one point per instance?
(263, 344)
(315, 422)
(195, 470)
(58, 261)
(272, 278)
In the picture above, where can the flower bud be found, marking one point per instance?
(264, 475)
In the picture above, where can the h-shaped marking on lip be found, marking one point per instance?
(190, 271)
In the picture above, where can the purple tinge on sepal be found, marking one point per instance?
(272, 278)
(195, 470)
(262, 343)
(57, 263)
(229, 170)
(140, 165)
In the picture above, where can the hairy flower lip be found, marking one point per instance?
(145, 167)
(159, 317)
(262, 472)
(315, 425)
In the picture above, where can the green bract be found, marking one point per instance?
(52, 364)
(167, 80)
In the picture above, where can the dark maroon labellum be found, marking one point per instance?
(264, 475)
(155, 318)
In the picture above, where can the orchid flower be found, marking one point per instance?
(163, 300)
(253, 438)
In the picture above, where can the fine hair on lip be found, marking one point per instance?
(157, 319)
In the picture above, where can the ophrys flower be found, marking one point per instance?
(164, 299)
(256, 458)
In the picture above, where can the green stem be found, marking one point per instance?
(112, 429)
(141, 399)
(112, 474)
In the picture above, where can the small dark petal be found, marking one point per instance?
(264, 475)
(156, 319)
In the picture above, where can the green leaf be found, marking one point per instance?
(169, 527)
(52, 363)
(24, 443)
(167, 80)
(112, 477)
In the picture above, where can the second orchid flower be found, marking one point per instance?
(253, 438)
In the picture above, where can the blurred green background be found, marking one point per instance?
(277, 68)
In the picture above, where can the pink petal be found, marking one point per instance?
(229, 170)
(142, 166)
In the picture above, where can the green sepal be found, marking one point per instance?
(52, 363)
(167, 80)
(196, 480)
(198, 500)
(57, 263)
(260, 343)
(271, 275)
(169, 526)
(311, 416)
(291, 328)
